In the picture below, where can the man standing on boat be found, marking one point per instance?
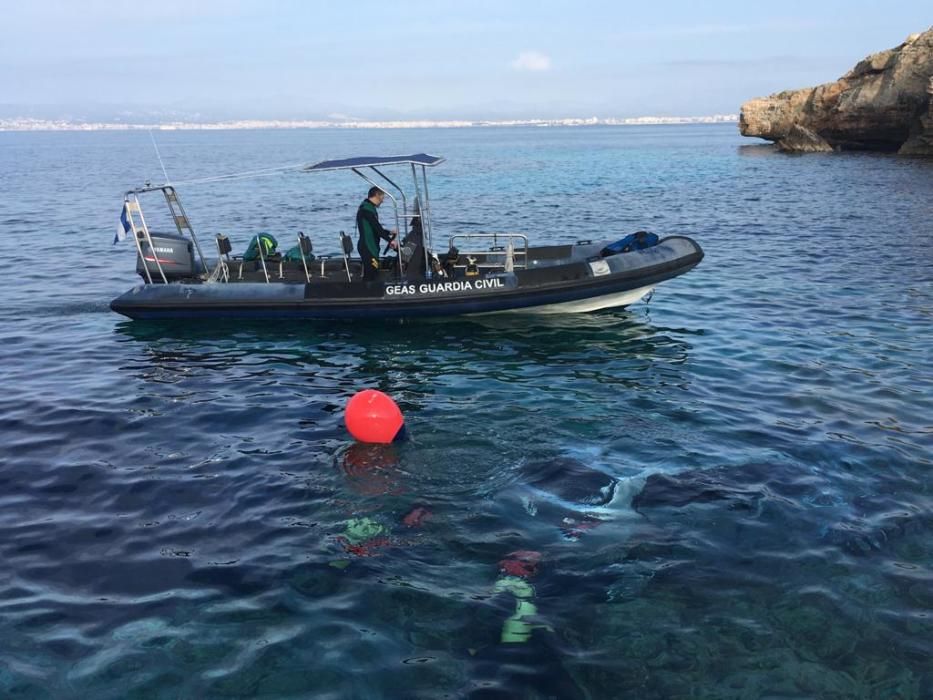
(370, 230)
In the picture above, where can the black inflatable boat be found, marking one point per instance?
(477, 273)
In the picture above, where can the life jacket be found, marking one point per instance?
(269, 244)
(294, 254)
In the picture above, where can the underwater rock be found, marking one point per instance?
(699, 486)
(866, 536)
(627, 677)
(812, 631)
(881, 104)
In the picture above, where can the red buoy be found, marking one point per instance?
(372, 416)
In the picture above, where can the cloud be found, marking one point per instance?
(532, 60)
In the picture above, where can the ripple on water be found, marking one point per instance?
(176, 501)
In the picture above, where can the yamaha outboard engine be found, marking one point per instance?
(174, 253)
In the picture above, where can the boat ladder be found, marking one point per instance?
(180, 218)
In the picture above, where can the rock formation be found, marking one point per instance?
(921, 138)
(800, 139)
(885, 103)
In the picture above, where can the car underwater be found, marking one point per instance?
(470, 273)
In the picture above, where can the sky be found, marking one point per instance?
(214, 60)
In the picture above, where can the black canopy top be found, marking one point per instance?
(369, 161)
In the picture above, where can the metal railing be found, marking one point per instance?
(141, 233)
(500, 244)
(141, 236)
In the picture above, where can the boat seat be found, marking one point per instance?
(450, 260)
(304, 248)
(346, 244)
(224, 258)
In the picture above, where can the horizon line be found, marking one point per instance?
(32, 124)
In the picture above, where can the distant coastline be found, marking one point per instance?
(24, 124)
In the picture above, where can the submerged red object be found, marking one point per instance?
(522, 563)
(372, 416)
(417, 517)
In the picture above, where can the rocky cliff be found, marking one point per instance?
(885, 103)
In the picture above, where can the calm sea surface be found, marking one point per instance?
(722, 493)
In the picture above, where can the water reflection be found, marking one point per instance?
(757, 150)
(423, 351)
(371, 470)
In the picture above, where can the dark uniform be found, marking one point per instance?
(370, 230)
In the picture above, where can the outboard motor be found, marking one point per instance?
(174, 253)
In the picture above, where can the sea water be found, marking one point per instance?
(727, 488)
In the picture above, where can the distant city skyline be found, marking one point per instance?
(211, 61)
(26, 124)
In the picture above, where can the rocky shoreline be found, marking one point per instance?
(885, 103)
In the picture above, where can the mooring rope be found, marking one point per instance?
(264, 172)
(158, 155)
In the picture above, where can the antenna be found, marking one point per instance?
(159, 156)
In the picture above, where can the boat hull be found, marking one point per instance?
(615, 300)
(584, 283)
